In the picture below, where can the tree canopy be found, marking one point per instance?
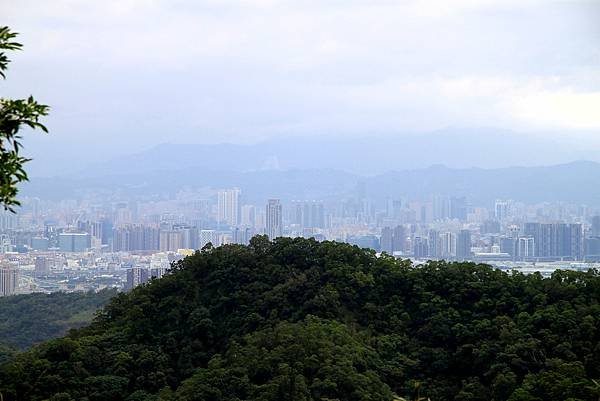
(14, 115)
(296, 319)
(29, 319)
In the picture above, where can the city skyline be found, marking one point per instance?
(79, 245)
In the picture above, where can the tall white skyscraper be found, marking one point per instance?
(9, 280)
(228, 206)
(448, 241)
(526, 247)
(274, 221)
(501, 210)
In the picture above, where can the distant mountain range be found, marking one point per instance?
(368, 155)
(575, 181)
(483, 148)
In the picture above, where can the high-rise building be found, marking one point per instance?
(490, 227)
(399, 239)
(393, 240)
(526, 247)
(441, 208)
(274, 217)
(8, 220)
(158, 272)
(248, 218)
(425, 213)
(228, 206)
(123, 214)
(501, 210)
(387, 240)
(463, 245)
(309, 214)
(556, 240)
(434, 244)
(136, 276)
(6, 245)
(448, 242)
(171, 240)
(208, 236)
(592, 248)
(151, 238)
(120, 239)
(533, 230)
(41, 266)
(458, 208)
(260, 222)
(94, 228)
(394, 208)
(189, 236)
(136, 237)
(39, 243)
(577, 241)
(74, 242)
(9, 280)
(298, 210)
(420, 248)
(241, 235)
(547, 241)
(107, 231)
(595, 229)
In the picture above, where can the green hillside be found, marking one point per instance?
(33, 318)
(296, 319)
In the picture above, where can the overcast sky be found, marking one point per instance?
(122, 75)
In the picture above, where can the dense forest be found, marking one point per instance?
(296, 319)
(32, 318)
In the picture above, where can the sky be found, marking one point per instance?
(124, 75)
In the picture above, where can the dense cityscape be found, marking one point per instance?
(80, 245)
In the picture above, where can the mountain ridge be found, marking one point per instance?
(576, 181)
(375, 152)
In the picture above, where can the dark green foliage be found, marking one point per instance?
(296, 319)
(14, 115)
(30, 319)
(309, 360)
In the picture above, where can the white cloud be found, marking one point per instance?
(249, 68)
(562, 109)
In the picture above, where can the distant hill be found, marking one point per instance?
(369, 154)
(576, 182)
(32, 318)
(296, 319)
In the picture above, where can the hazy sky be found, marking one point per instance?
(129, 74)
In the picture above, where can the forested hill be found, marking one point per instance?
(296, 319)
(33, 318)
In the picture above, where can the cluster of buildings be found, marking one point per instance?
(88, 244)
(529, 242)
(91, 270)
